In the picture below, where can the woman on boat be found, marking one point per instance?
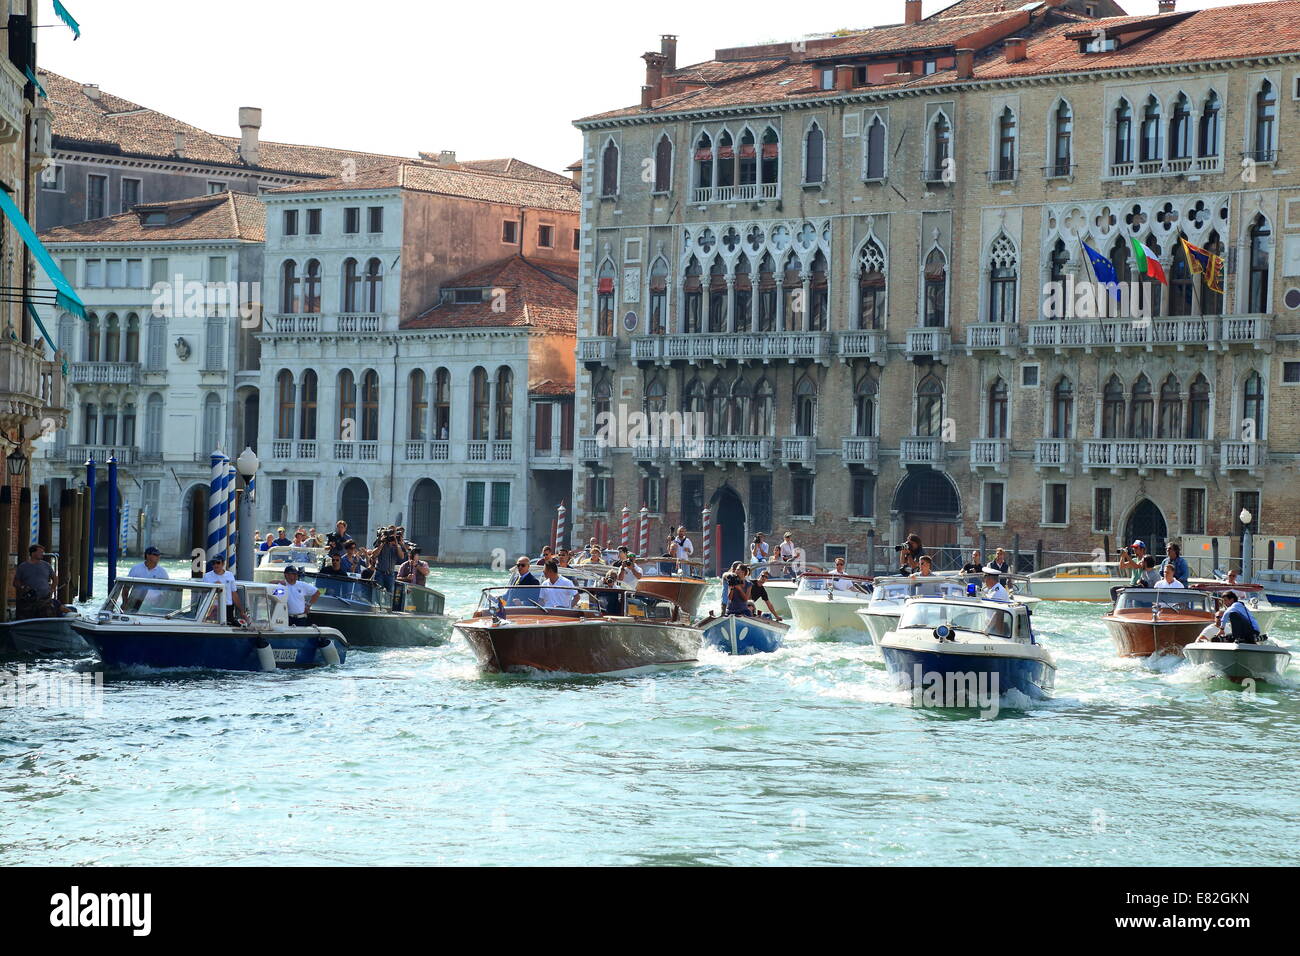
(738, 592)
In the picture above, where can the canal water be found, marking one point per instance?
(806, 756)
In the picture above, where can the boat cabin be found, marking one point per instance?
(971, 616)
(192, 601)
(587, 602)
(1154, 599)
(671, 568)
(848, 584)
(897, 590)
(1092, 570)
(277, 558)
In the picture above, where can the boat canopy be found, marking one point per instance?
(1082, 570)
(990, 618)
(896, 590)
(821, 583)
(283, 555)
(671, 568)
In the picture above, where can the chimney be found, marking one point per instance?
(180, 142)
(647, 97)
(575, 171)
(654, 77)
(668, 47)
(843, 78)
(90, 90)
(250, 124)
(1166, 6)
(911, 12)
(446, 157)
(1014, 48)
(965, 64)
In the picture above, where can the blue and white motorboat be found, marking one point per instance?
(149, 622)
(966, 648)
(739, 634)
(890, 595)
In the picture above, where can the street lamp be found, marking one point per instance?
(246, 464)
(16, 462)
(1247, 545)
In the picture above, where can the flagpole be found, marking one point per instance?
(1192, 275)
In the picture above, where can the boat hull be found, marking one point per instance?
(735, 634)
(1142, 638)
(820, 614)
(686, 593)
(779, 593)
(209, 648)
(1096, 590)
(384, 630)
(42, 637)
(960, 673)
(1238, 662)
(579, 647)
(880, 623)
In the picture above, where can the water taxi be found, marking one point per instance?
(830, 602)
(1146, 621)
(272, 562)
(1077, 582)
(369, 615)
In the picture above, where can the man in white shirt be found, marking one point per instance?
(229, 599)
(681, 545)
(993, 589)
(842, 582)
(558, 591)
(149, 567)
(299, 596)
(1169, 581)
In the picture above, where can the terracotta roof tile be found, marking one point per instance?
(227, 215)
(534, 296)
(550, 387)
(447, 181)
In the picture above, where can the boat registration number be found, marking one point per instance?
(285, 655)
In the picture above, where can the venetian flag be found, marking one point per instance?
(1203, 262)
(1148, 263)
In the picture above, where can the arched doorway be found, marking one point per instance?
(729, 515)
(354, 508)
(927, 503)
(1146, 523)
(426, 516)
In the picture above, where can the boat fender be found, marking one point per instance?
(265, 656)
(328, 652)
(943, 633)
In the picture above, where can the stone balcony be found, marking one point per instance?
(922, 450)
(800, 450)
(316, 323)
(356, 451)
(105, 373)
(1054, 453)
(860, 451)
(419, 450)
(592, 449)
(745, 192)
(741, 450)
(1210, 332)
(550, 457)
(597, 351)
(32, 393)
(477, 451)
(991, 453)
(77, 454)
(697, 347)
(862, 343)
(1242, 455)
(1146, 455)
(929, 343)
(1001, 337)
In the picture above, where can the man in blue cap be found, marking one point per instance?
(149, 567)
(1133, 560)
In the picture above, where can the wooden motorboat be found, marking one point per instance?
(369, 616)
(272, 562)
(1146, 621)
(967, 652)
(603, 631)
(149, 622)
(42, 637)
(679, 582)
(741, 634)
(1077, 582)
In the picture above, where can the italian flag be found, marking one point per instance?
(1148, 263)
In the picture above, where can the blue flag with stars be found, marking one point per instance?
(1102, 269)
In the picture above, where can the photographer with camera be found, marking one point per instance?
(337, 540)
(413, 571)
(1132, 560)
(386, 555)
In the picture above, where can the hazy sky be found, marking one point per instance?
(396, 76)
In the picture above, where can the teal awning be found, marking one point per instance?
(62, 13)
(54, 346)
(65, 296)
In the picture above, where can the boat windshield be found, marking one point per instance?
(609, 602)
(421, 600)
(173, 601)
(898, 590)
(670, 568)
(356, 592)
(282, 556)
(819, 584)
(962, 617)
(1175, 599)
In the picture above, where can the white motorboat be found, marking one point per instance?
(890, 595)
(966, 652)
(272, 562)
(1264, 661)
(1252, 595)
(1077, 582)
(827, 603)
